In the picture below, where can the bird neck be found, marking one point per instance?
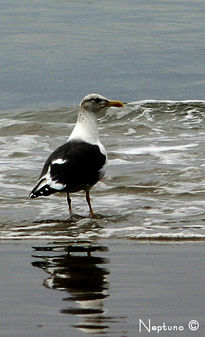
(86, 128)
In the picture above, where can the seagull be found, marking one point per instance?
(79, 163)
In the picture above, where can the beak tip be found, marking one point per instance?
(115, 103)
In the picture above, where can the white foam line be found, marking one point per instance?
(169, 236)
(166, 101)
(35, 237)
(35, 226)
(109, 234)
(119, 162)
(122, 233)
(154, 149)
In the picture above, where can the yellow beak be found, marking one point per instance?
(115, 103)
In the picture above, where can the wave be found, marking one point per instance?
(88, 229)
(158, 237)
(147, 101)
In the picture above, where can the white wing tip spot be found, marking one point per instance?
(58, 161)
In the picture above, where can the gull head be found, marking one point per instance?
(96, 102)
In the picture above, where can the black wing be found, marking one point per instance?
(71, 167)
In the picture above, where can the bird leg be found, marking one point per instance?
(69, 203)
(89, 204)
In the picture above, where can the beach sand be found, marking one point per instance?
(46, 291)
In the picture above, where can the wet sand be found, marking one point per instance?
(66, 289)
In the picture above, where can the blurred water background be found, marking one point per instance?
(54, 52)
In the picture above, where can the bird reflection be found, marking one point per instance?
(73, 269)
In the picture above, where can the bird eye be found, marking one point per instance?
(97, 100)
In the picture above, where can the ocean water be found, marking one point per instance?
(54, 53)
(153, 188)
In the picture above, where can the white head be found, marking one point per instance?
(96, 102)
(86, 127)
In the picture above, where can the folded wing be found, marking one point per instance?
(73, 166)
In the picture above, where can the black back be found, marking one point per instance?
(83, 162)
